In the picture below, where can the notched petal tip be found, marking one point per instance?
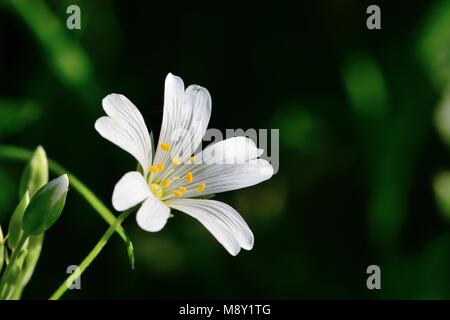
(199, 96)
(197, 90)
(234, 253)
(100, 125)
(113, 96)
(260, 152)
(125, 127)
(249, 245)
(111, 99)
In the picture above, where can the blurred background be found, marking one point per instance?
(364, 120)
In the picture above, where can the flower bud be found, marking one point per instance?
(35, 174)
(45, 206)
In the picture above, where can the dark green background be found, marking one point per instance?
(359, 148)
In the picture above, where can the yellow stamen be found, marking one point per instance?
(177, 193)
(160, 166)
(189, 177)
(153, 169)
(165, 147)
(191, 160)
(166, 183)
(201, 187)
(176, 161)
(183, 189)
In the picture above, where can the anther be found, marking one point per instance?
(176, 161)
(166, 183)
(153, 169)
(177, 193)
(160, 166)
(201, 187)
(165, 147)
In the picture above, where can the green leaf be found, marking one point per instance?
(15, 224)
(35, 174)
(46, 206)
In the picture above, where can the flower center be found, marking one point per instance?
(157, 190)
(158, 185)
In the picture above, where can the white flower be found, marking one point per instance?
(173, 178)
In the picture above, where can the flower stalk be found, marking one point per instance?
(8, 279)
(91, 256)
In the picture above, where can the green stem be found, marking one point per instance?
(11, 265)
(16, 153)
(34, 248)
(90, 257)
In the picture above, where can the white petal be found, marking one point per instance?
(232, 150)
(130, 191)
(185, 119)
(225, 223)
(200, 102)
(153, 214)
(236, 150)
(223, 177)
(126, 128)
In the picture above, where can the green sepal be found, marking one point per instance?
(130, 251)
(139, 169)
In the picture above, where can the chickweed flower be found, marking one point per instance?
(171, 175)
